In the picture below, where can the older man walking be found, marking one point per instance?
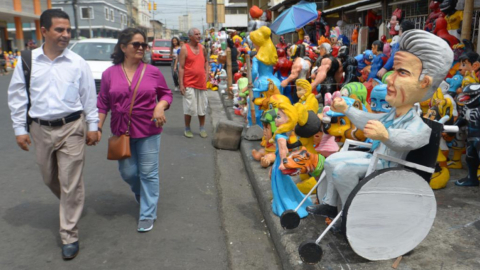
(192, 75)
(63, 98)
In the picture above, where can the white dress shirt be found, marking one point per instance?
(57, 89)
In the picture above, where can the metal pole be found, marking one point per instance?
(90, 22)
(229, 73)
(467, 20)
(75, 17)
(250, 89)
(215, 19)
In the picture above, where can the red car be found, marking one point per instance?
(161, 51)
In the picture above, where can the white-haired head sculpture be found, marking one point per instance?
(327, 47)
(434, 53)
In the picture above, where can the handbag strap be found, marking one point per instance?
(133, 99)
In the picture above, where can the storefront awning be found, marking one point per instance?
(349, 5)
(283, 3)
(8, 15)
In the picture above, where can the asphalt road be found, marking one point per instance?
(188, 233)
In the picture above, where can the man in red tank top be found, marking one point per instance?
(193, 81)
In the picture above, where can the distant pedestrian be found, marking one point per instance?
(140, 171)
(3, 63)
(174, 48)
(193, 81)
(63, 97)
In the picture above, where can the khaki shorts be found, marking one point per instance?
(195, 102)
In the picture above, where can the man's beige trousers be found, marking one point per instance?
(60, 154)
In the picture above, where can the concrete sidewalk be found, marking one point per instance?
(453, 242)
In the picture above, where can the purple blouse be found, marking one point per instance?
(116, 96)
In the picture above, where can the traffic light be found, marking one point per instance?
(149, 6)
(154, 6)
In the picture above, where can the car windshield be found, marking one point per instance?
(94, 51)
(162, 43)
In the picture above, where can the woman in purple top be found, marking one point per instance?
(140, 171)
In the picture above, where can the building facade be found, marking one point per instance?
(16, 13)
(236, 14)
(95, 18)
(184, 23)
(157, 30)
(143, 16)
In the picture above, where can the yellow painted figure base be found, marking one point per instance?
(440, 179)
(306, 185)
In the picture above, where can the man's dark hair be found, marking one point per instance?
(49, 14)
(407, 25)
(471, 57)
(123, 39)
(379, 45)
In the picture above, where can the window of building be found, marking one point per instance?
(112, 15)
(86, 12)
(107, 14)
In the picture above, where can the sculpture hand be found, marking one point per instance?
(375, 130)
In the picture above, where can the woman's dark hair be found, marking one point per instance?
(178, 44)
(123, 39)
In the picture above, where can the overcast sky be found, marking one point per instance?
(171, 9)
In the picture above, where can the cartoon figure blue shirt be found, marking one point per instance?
(377, 64)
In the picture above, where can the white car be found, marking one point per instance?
(96, 52)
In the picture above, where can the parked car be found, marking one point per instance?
(161, 51)
(97, 52)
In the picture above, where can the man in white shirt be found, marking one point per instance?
(63, 98)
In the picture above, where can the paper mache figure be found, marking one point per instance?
(434, 15)
(418, 73)
(285, 193)
(262, 65)
(329, 73)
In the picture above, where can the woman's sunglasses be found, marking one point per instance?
(137, 45)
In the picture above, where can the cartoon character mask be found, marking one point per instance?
(377, 99)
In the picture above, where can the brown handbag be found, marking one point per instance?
(119, 146)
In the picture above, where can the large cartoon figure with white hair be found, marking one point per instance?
(421, 64)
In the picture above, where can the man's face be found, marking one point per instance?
(196, 37)
(59, 33)
(374, 49)
(403, 86)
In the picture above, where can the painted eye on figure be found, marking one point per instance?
(386, 106)
(278, 116)
(373, 104)
(342, 122)
(296, 160)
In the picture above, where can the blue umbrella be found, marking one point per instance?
(294, 18)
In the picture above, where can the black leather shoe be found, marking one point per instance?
(70, 251)
(323, 210)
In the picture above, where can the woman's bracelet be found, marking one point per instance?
(100, 129)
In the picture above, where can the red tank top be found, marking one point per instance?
(194, 71)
